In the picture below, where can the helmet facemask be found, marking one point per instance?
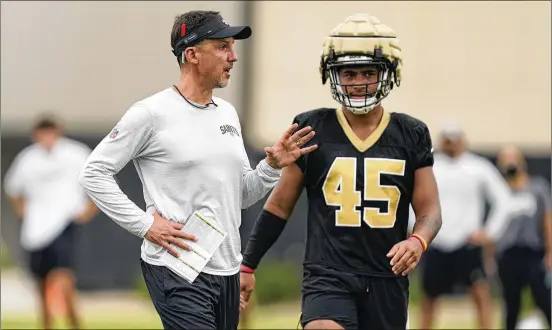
(364, 97)
(361, 40)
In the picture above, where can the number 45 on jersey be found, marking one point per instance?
(339, 190)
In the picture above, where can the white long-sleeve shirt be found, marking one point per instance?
(464, 184)
(188, 159)
(47, 182)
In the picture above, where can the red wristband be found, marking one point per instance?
(421, 240)
(246, 269)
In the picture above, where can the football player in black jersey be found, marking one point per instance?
(370, 165)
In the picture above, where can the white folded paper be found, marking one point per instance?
(190, 263)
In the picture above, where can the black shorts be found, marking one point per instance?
(354, 301)
(443, 270)
(210, 302)
(58, 254)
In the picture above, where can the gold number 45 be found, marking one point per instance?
(340, 190)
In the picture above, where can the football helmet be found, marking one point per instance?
(361, 40)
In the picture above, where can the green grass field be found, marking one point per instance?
(265, 317)
(133, 310)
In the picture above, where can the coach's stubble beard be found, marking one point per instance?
(222, 83)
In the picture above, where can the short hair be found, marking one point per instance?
(46, 123)
(192, 19)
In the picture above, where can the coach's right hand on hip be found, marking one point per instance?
(164, 232)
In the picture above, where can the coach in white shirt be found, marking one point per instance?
(465, 182)
(187, 147)
(42, 186)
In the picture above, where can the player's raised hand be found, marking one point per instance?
(164, 232)
(405, 256)
(288, 148)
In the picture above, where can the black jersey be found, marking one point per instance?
(359, 192)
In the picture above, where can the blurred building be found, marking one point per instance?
(484, 64)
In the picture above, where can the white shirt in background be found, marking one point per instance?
(48, 183)
(464, 184)
(188, 159)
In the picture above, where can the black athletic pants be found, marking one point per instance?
(518, 267)
(210, 302)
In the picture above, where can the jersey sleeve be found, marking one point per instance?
(423, 148)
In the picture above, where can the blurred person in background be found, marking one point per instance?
(524, 251)
(42, 186)
(188, 150)
(371, 164)
(466, 181)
